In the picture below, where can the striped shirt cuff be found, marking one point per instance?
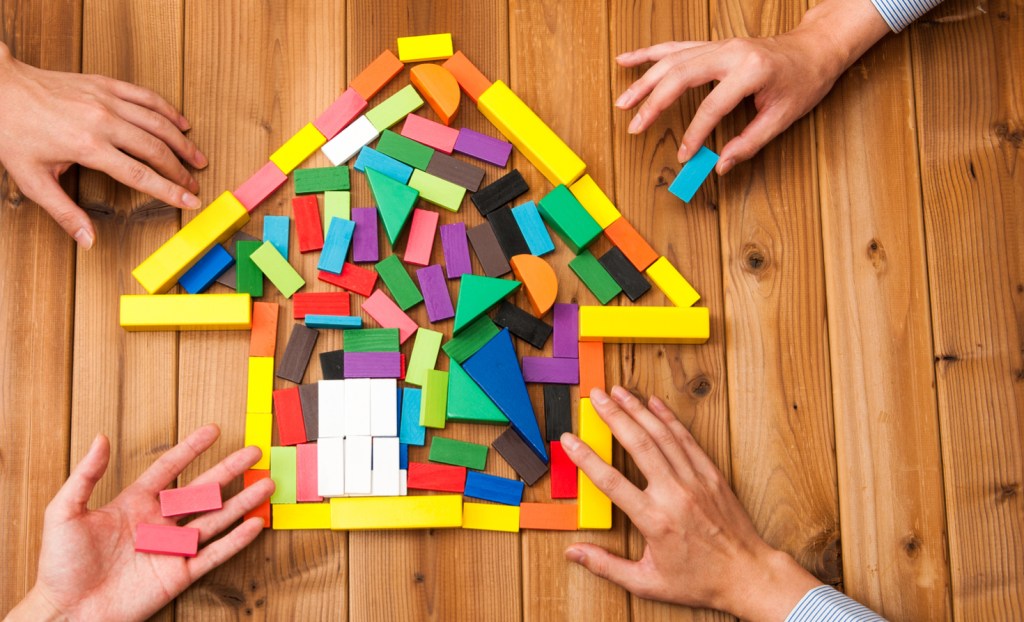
(824, 604)
(901, 13)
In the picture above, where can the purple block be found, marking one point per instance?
(456, 250)
(567, 330)
(549, 370)
(435, 293)
(364, 240)
(483, 147)
(373, 365)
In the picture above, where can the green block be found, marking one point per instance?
(394, 275)
(394, 201)
(405, 150)
(310, 180)
(277, 269)
(371, 340)
(440, 192)
(424, 355)
(282, 471)
(458, 453)
(249, 277)
(471, 339)
(570, 220)
(337, 204)
(434, 399)
(477, 294)
(595, 277)
(467, 402)
(394, 109)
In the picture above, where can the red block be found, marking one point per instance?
(440, 477)
(305, 473)
(563, 473)
(167, 540)
(250, 477)
(421, 237)
(291, 430)
(430, 133)
(353, 278)
(401, 369)
(260, 186)
(320, 303)
(190, 499)
(343, 111)
(307, 223)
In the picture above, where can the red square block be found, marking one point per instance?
(320, 303)
(308, 226)
(167, 540)
(564, 480)
(440, 477)
(291, 429)
(353, 278)
(190, 499)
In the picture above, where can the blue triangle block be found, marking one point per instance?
(496, 369)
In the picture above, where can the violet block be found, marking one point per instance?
(567, 330)
(373, 365)
(483, 147)
(435, 293)
(456, 250)
(550, 370)
(364, 240)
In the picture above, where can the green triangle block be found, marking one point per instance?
(394, 201)
(467, 402)
(477, 294)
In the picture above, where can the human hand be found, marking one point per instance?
(50, 120)
(88, 567)
(701, 548)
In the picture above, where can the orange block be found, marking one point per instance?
(539, 279)
(631, 243)
(263, 339)
(250, 477)
(377, 74)
(437, 85)
(591, 366)
(555, 516)
(468, 76)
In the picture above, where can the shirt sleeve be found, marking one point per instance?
(824, 604)
(901, 13)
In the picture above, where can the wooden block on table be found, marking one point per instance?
(595, 201)
(201, 276)
(372, 340)
(523, 325)
(387, 314)
(376, 75)
(424, 355)
(229, 278)
(405, 150)
(371, 158)
(337, 204)
(458, 453)
(539, 281)
(595, 508)
(336, 322)
(591, 366)
(299, 147)
(483, 147)
(330, 467)
(564, 481)
(262, 511)
(493, 488)
(249, 278)
(302, 516)
(356, 408)
(358, 465)
(557, 411)
(310, 180)
(519, 456)
(488, 251)
(548, 516)
(567, 329)
(489, 517)
(309, 400)
(470, 79)
(364, 239)
(394, 202)
(477, 294)
(415, 512)
(190, 499)
(259, 429)
(291, 427)
(563, 213)
(631, 243)
(545, 370)
(332, 365)
(282, 471)
(307, 224)
(435, 293)
(398, 281)
(261, 185)
(385, 483)
(687, 325)
(306, 471)
(467, 402)
(277, 269)
(170, 539)
(410, 431)
(296, 354)
(437, 191)
(507, 232)
(276, 230)
(260, 389)
(320, 303)
(675, 287)
(425, 47)
(456, 250)
(500, 192)
(185, 312)
(533, 230)
(420, 243)
(373, 364)
(331, 407)
(471, 339)
(336, 246)
(693, 174)
(630, 280)
(349, 105)
(456, 171)
(384, 424)
(263, 338)
(353, 278)
(595, 277)
(347, 144)
(436, 477)
(430, 133)
(434, 399)
(394, 108)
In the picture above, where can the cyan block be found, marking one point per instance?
(275, 231)
(370, 157)
(339, 238)
(693, 174)
(532, 226)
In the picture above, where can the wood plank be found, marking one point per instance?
(893, 528)
(37, 264)
(970, 115)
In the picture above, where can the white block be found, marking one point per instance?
(357, 407)
(330, 467)
(358, 451)
(386, 453)
(342, 147)
(403, 483)
(332, 407)
(384, 407)
(387, 483)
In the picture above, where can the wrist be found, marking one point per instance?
(841, 31)
(36, 607)
(769, 588)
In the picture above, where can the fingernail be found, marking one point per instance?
(684, 154)
(570, 442)
(201, 160)
(634, 125)
(575, 555)
(597, 396)
(726, 166)
(84, 239)
(624, 98)
(183, 123)
(190, 200)
(620, 393)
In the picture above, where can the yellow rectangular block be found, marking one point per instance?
(261, 384)
(216, 223)
(299, 147)
(490, 517)
(688, 325)
(594, 431)
(186, 312)
(671, 282)
(594, 507)
(530, 135)
(301, 516)
(595, 201)
(259, 430)
(418, 512)
(425, 47)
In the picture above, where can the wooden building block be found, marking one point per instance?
(353, 278)
(675, 287)
(372, 340)
(456, 452)
(263, 338)
(358, 465)
(435, 293)
(332, 365)
(566, 216)
(306, 465)
(405, 150)
(309, 400)
(373, 365)
(302, 516)
(519, 456)
(277, 269)
(595, 508)
(384, 423)
(532, 227)
(261, 385)
(456, 250)
(410, 431)
(249, 278)
(420, 243)
(557, 411)
(307, 224)
(356, 408)
(259, 429)
(320, 303)
(336, 246)
(488, 251)
(687, 325)
(477, 294)
(261, 185)
(591, 366)
(483, 147)
(434, 399)
(424, 47)
(335, 322)
(186, 312)
(437, 191)
(385, 483)
(693, 174)
(250, 477)
(424, 355)
(349, 105)
(430, 133)
(595, 277)
(548, 516)
(500, 192)
(564, 481)
(204, 272)
(330, 467)
(331, 407)
(371, 158)
(567, 329)
(229, 278)
(170, 539)
(192, 499)
(547, 370)
(394, 201)
(394, 108)
(282, 471)
(472, 338)
(388, 315)
(398, 282)
(467, 402)
(310, 180)
(531, 136)
(456, 171)
(436, 477)
(376, 75)
(291, 427)
(365, 244)
(632, 244)
(493, 488)
(506, 231)
(595, 201)
(490, 517)
(416, 512)
(276, 230)
(630, 280)
(539, 281)
(523, 325)
(296, 354)
(347, 144)
(470, 79)
(337, 204)
(299, 147)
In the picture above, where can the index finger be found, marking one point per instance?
(169, 466)
(655, 52)
(607, 478)
(149, 99)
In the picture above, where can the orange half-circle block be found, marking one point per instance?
(439, 87)
(539, 279)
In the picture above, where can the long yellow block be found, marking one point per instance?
(297, 148)
(424, 47)
(595, 201)
(301, 516)
(216, 223)
(690, 325)
(490, 517)
(259, 430)
(418, 512)
(261, 384)
(595, 508)
(186, 312)
(530, 135)
(675, 287)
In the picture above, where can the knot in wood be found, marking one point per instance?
(754, 259)
(700, 387)
(1007, 492)
(911, 545)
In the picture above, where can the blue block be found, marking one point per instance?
(398, 408)
(411, 432)
(275, 231)
(693, 174)
(339, 238)
(403, 456)
(200, 276)
(493, 488)
(536, 234)
(371, 158)
(339, 322)
(496, 370)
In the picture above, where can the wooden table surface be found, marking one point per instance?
(863, 387)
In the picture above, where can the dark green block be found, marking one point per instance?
(405, 150)
(595, 277)
(310, 180)
(471, 339)
(371, 340)
(249, 277)
(395, 276)
(459, 453)
(569, 219)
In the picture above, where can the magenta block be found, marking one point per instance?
(373, 365)
(483, 147)
(254, 190)
(567, 330)
(551, 370)
(364, 239)
(456, 250)
(435, 293)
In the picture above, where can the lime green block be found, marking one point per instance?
(467, 402)
(440, 192)
(395, 108)
(310, 180)
(477, 294)
(595, 277)
(458, 453)
(371, 340)
(337, 204)
(282, 471)
(394, 201)
(281, 273)
(405, 150)
(434, 399)
(424, 355)
(570, 220)
(394, 275)
(471, 339)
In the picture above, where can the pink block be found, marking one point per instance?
(258, 187)
(338, 115)
(421, 237)
(190, 499)
(381, 308)
(167, 540)
(305, 473)
(430, 133)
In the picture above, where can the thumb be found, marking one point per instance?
(43, 188)
(600, 562)
(73, 496)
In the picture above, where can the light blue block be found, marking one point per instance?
(693, 174)
(275, 231)
(205, 271)
(339, 322)
(532, 226)
(339, 238)
(493, 488)
(371, 158)
(411, 432)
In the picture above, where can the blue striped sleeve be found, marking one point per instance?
(901, 13)
(824, 604)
